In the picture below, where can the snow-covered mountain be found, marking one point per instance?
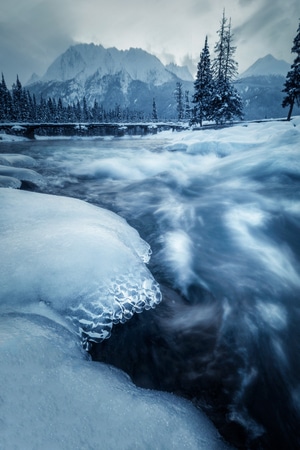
(85, 60)
(130, 78)
(266, 66)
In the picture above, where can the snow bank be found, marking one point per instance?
(11, 138)
(54, 398)
(237, 138)
(83, 261)
(9, 182)
(13, 159)
(25, 175)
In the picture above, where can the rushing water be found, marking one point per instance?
(224, 231)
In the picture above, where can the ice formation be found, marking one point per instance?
(83, 261)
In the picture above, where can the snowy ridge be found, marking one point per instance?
(84, 60)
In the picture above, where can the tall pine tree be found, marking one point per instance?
(203, 88)
(226, 103)
(178, 93)
(5, 102)
(292, 82)
(17, 99)
(154, 110)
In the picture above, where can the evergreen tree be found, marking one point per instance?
(187, 107)
(154, 110)
(226, 103)
(292, 82)
(50, 115)
(42, 111)
(70, 116)
(17, 96)
(5, 102)
(203, 88)
(32, 109)
(85, 111)
(77, 111)
(60, 112)
(179, 100)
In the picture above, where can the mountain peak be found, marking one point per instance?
(268, 65)
(82, 61)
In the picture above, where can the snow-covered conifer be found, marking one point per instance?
(179, 100)
(5, 102)
(203, 88)
(226, 103)
(154, 110)
(17, 97)
(292, 82)
(187, 107)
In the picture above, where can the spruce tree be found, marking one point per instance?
(226, 103)
(292, 82)
(187, 108)
(5, 102)
(179, 100)
(154, 110)
(60, 111)
(17, 97)
(85, 111)
(203, 88)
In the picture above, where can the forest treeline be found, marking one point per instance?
(18, 105)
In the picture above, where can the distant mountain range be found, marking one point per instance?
(267, 66)
(260, 87)
(132, 78)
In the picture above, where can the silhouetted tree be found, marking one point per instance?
(5, 102)
(292, 82)
(17, 98)
(154, 110)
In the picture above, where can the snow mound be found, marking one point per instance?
(9, 182)
(55, 398)
(83, 261)
(16, 160)
(24, 175)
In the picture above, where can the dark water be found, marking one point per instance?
(224, 230)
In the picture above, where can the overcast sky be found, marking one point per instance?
(34, 32)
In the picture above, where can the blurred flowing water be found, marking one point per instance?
(224, 231)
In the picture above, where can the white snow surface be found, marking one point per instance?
(53, 397)
(83, 261)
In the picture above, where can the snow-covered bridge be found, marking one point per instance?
(30, 130)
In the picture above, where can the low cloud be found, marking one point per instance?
(35, 32)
